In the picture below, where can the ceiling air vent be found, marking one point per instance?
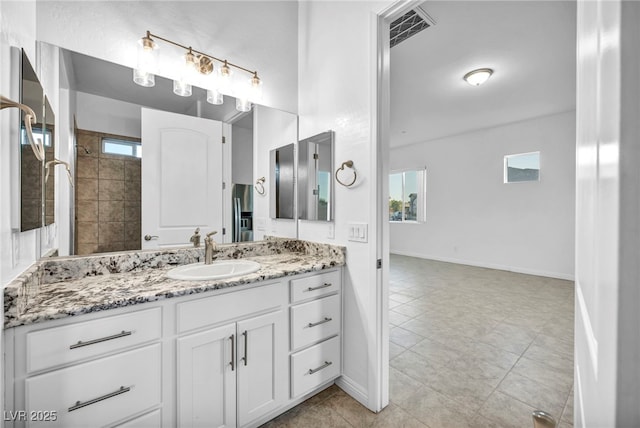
(409, 24)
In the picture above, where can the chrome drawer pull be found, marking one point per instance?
(326, 319)
(233, 347)
(80, 343)
(80, 404)
(246, 336)
(325, 285)
(324, 366)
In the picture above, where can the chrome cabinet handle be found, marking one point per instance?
(324, 366)
(313, 324)
(245, 346)
(150, 237)
(80, 343)
(233, 347)
(325, 285)
(80, 404)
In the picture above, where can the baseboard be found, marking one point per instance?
(354, 390)
(556, 275)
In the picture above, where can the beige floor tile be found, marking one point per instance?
(395, 417)
(401, 386)
(507, 411)
(404, 338)
(397, 318)
(496, 356)
(436, 353)
(395, 350)
(551, 377)
(353, 412)
(415, 366)
(567, 413)
(461, 387)
(535, 394)
(436, 410)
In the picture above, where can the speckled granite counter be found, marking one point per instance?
(67, 286)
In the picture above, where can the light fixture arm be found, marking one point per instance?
(189, 48)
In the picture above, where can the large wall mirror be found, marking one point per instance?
(31, 169)
(106, 108)
(282, 172)
(315, 186)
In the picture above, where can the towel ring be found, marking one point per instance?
(348, 164)
(259, 186)
(55, 162)
(29, 118)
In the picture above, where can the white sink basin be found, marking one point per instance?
(217, 270)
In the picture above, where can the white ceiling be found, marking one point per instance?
(530, 45)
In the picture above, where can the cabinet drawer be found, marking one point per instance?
(314, 286)
(99, 392)
(314, 321)
(224, 307)
(314, 366)
(74, 342)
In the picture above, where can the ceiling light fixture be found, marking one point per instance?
(478, 77)
(198, 67)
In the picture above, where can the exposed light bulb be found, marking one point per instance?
(214, 97)
(478, 77)
(255, 88)
(182, 86)
(224, 78)
(243, 104)
(144, 73)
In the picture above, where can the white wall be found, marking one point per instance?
(255, 34)
(474, 218)
(100, 114)
(337, 63)
(271, 129)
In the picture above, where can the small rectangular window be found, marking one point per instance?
(114, 146)
(522, 167)
(407, 196)
(37, 135)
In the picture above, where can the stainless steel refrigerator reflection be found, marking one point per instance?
(242, 212)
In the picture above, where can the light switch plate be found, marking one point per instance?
(358, 232)
(331, 232)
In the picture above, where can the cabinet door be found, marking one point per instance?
(263, 378)
(207, 379)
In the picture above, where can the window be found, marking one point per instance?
(114, 146)
(522, 167)
(37, 135)
(407, 195)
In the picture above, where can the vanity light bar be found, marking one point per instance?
(198, 61)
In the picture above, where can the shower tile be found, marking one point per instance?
(87, 211)
(111, 190)
(111, 169)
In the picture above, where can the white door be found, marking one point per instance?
(263, 378)
(206, 378)
(181, 178)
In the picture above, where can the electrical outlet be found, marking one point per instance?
(331, 232)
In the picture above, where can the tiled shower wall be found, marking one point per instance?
(108, 197)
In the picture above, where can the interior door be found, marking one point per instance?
(262, 365)
(181, 178)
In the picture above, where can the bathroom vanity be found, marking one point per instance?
(110, 340)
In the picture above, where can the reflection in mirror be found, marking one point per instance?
(315, 186)
(282, 178)
(49, 154)
(31, 169)
(107, 107)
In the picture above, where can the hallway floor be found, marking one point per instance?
(469, 347)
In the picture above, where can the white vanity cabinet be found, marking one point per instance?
(240, 365)
(235, 357)
(100, 371)
(316, 313)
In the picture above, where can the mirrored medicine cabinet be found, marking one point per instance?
(315, 184)
(282, 176)
(36, 196)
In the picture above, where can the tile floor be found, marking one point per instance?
(469, 347)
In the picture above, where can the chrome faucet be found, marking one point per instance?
(209, 247)
(195, 238)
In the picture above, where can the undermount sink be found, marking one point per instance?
(217, 270)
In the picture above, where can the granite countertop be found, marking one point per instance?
(64, 287)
